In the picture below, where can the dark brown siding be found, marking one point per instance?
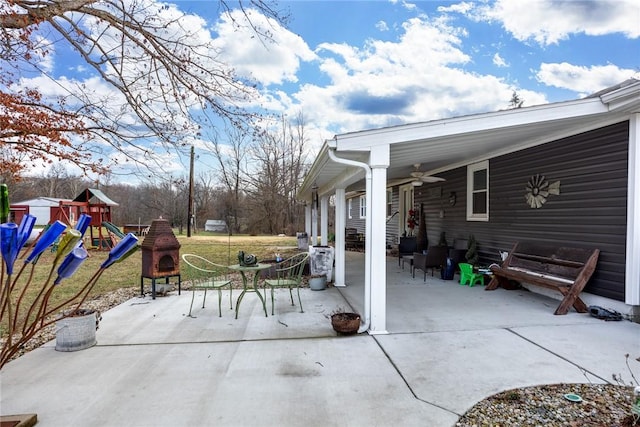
(590, 211)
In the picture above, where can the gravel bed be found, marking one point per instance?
(101, 303)
(602, 405)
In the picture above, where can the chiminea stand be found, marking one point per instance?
(160, 255)
(153, 283)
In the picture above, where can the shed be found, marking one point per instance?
(215, 225)
(40, 207)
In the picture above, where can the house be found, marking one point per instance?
(560, 173)
(356, 210)
(356, 214)
(215, 225)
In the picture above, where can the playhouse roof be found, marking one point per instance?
(91, 193)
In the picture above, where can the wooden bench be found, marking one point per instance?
(564, 269)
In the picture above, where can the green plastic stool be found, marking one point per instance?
(467, 276)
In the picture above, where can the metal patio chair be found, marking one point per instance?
(288, 275)
(207, 275)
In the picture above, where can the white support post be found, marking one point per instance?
(340, 221)
(632, 273)
(324, 221)
(379, 161)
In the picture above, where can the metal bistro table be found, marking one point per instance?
(243, 269)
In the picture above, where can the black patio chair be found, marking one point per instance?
(436, 257)
(407, 246)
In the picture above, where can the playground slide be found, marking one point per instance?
(113, 229)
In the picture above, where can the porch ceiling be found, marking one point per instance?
(447, 152)
(446, 144)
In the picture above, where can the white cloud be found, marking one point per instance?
(79, 68)
(424, 74)
(499, 61)
(382, 26)
(265, 61)
(112, 104)
(408, 5)
(44, 52)
(420, 77)
(581, 79)
(463, 8)
(550, 21)
(157, 157)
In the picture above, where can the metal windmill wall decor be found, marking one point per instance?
(538, 189)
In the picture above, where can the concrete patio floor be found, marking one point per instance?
(448, 347)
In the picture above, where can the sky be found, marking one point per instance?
(355, 65)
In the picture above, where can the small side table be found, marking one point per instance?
(255, 269)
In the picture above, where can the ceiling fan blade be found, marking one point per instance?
(422, 176)
(429, 178)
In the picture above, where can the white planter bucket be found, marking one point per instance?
(76, 332)
(318, 283)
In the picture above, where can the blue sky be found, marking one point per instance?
(353, 65)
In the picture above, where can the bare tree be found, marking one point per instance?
(129, 210)
(53, 181)
(297, 168)
(205, 198)
(13, 162)
(160, 69)
(231, 156)
(278, 168)
(167, 199)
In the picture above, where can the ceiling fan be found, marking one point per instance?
(422, 177)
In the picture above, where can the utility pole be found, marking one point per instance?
(190, 203)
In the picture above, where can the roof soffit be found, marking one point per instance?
(445, 144)
(328, 175)
(364, 140)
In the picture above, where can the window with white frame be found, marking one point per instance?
(478, 191)
(389, 202)
(363, 206)
(349, 206)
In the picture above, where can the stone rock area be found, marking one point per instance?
(603, 405)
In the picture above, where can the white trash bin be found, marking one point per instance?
(321, 259)
(303, 241)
